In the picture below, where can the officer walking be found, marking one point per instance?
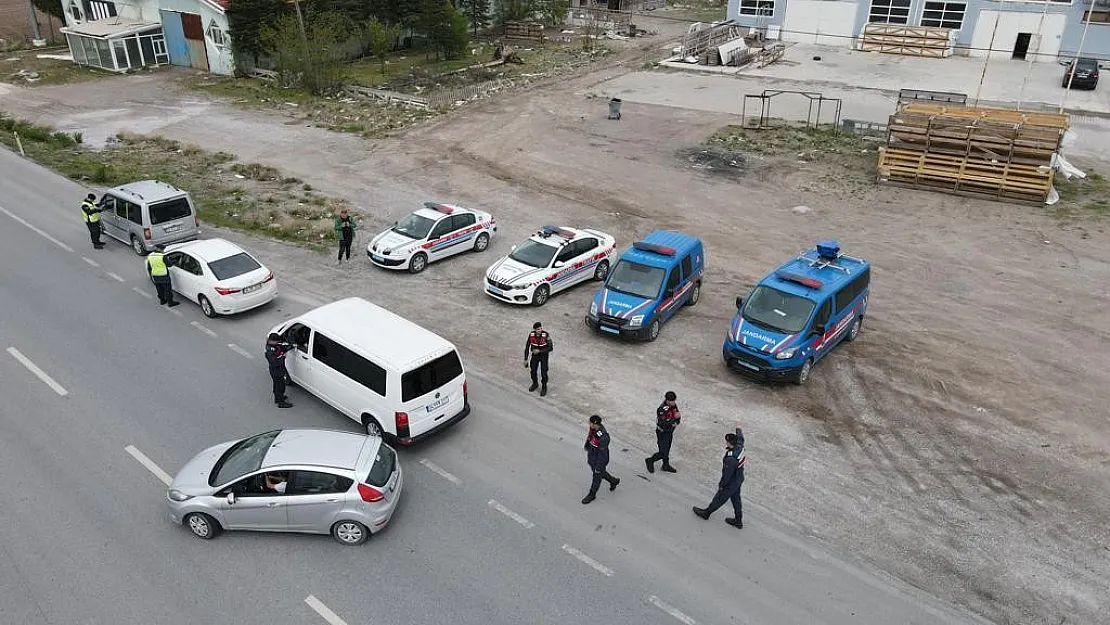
(345, 226)
(597, 456)
(276, 349)
(538, 347)
(90, 213)
(732, 478)
(667, 418)
(160, 275)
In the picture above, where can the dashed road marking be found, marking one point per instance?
(177, 313)
(203, 329)
(597, 566)
(442, 473)
(142, 292)
(166, 478)
(115, 276)
(673, 611)
(36, 230)
(512, 515)
(318, 606)
(239, 350)
(39, 373)
(90, 261)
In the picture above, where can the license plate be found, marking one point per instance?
(494, 290)
(252, 288)
(173, 228)
(610, 330)
(377, 258)
(746, 365)
(439, 403)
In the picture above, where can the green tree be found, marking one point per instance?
(50, 7)
(314, 61)
(403, 13)
(245, 20)
(515, 10)
(477, 11)
(381, 39)
(553, 11)
(445, 28)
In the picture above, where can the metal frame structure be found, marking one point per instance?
(812, 121)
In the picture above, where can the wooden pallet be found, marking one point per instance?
(963, 175)
(1000, 115)
(924, 41)
(1014, 143)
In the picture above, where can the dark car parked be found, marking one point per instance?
(1086, 74)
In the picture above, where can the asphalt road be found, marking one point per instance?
(96, 377)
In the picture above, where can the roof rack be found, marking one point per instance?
(828, 253)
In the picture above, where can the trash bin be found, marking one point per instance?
(615, 108)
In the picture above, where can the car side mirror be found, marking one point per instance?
(559, 263)
(231, 499)
(512, 249)
(739, 303)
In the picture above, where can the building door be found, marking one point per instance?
(193, 29)
(1021, 46)
(176, 45)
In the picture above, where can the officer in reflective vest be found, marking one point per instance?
(537, 347)
(160, 276)
(90, 213)
(732, 478)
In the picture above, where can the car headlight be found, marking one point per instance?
(177, 495)
(786, 354)
(636, 321)
(593, 308)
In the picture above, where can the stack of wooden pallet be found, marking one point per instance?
(928, 41)
(1000, 153)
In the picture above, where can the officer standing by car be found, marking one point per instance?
(160, 275)
(667, 418)
(276, 348)
(538, 347)
(90, 213)
(597, 456)
(732, 478)
(345, 226)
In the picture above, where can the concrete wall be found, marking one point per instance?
(15, 24)
(220, 60)
(754, 20)
(831, 22)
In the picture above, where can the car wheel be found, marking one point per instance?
(695, 296)
(206, 307)
(137, 245)
(854, 331)
(350, 532)
(539, 298)
(803, 373)
(653, 330)
(481, 243)
(202, 525)
(418, 262)
(602, 270)
(371, 425)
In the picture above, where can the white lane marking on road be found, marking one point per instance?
(599, 567)
(323, 611)
(166, 478)
(39, 373)
(90, 261)
(176, 312)
(509, 513)
(40, 232)
(116, 276)
(142, 292)
(673, 611)
(239, 350)
(444, 474)
(203, 329)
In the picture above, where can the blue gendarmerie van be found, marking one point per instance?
(649, 283)
(798, 314)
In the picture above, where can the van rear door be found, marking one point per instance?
(433, 392)
(172, 219)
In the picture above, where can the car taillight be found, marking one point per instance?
(196, 222)
(369, 494)
(464, 391)
(146, 233)
(224, 291)
(269, 277)
(401, 419)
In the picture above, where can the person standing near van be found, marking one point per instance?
(276, 348)
(160, 275)
(732, 478)
(536, 350)
(345, 226)
(597, 456)
(90, 213)
(667, 418)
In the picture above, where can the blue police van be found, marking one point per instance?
(649, 283)
(798, 314)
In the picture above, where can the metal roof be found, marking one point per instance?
(111, 28)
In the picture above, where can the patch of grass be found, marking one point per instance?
(262, 201)
(696, 10)
(24, 67)
(367, 72)
(1082, 198)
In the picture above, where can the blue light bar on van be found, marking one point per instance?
(828, 249)
(651, 247)
(550, 230)
(802, 280)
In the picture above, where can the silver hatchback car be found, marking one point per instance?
(311, 481)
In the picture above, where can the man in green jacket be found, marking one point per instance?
(345, 231)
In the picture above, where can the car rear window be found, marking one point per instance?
(232, 266)
(169, 210)
(429, 377)
(383, 466)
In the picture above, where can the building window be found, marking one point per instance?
(944, 14)
(216, 34)
(889, 12)
(1097, 17)
(75, 11)
(762, 8)
(101, 10)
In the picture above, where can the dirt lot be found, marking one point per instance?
(960, 444)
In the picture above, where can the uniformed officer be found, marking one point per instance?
(160, 275)
(597, 456)
(90, 213)
(732, 478)
(667, 418)
(538, 347)
(276, 349)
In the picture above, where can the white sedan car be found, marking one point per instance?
(429, 234)
(219, 276)
(553, 259)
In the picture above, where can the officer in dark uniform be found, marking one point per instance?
(597, 456)
(732, 478)
(90, 213)
(537, 347)
(276, 348)
(667, 418)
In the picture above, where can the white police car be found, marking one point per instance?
(429, 234)
(551, 260)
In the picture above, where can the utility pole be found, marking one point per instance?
(38, 41)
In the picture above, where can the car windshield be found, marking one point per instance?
(414, 226)
(636, 279)
(169, 210)
(242, 458)
(232, 266)
(777, 311)
(534, 253)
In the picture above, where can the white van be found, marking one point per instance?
(384, 371)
